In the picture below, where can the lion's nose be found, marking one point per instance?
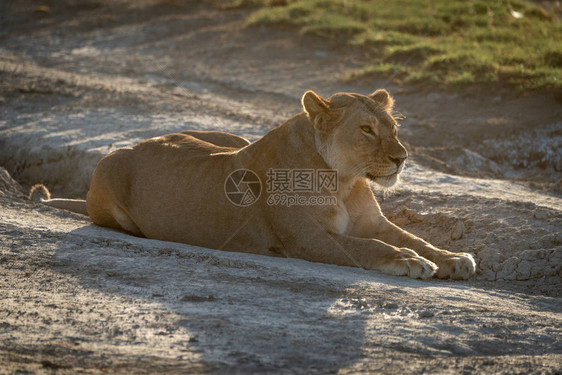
(398, 161)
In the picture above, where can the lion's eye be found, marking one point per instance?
(367, 129)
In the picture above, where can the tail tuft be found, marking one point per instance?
(39, 193)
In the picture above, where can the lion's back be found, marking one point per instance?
(221, 139)
(128, 172)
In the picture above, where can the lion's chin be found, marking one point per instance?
(385, 181)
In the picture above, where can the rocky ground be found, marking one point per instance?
(80, 78)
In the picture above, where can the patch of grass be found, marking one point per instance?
(446, 42)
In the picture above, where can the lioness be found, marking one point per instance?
(173, 188)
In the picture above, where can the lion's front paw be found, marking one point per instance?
(420, 268)
(409, 263)
(457, 266)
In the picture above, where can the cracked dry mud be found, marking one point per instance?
(87, 77)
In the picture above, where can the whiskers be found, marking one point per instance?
(398, 116)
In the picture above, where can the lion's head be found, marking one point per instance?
(357, 135)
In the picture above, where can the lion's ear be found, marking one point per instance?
(383, 98)
(317, 109)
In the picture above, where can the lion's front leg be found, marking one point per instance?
(369, 254)
(369, 222)
(457, 266)
(307, 236)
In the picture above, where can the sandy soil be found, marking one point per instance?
(80, 78)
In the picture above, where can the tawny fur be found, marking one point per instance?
(39, 193)
(172, 188)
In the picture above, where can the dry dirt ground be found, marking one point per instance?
(81, 78)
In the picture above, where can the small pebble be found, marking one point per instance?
(457, 231)
(540, 214)
(426, 314)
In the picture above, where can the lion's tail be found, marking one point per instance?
(40, 194)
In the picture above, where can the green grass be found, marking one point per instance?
(446, 42)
